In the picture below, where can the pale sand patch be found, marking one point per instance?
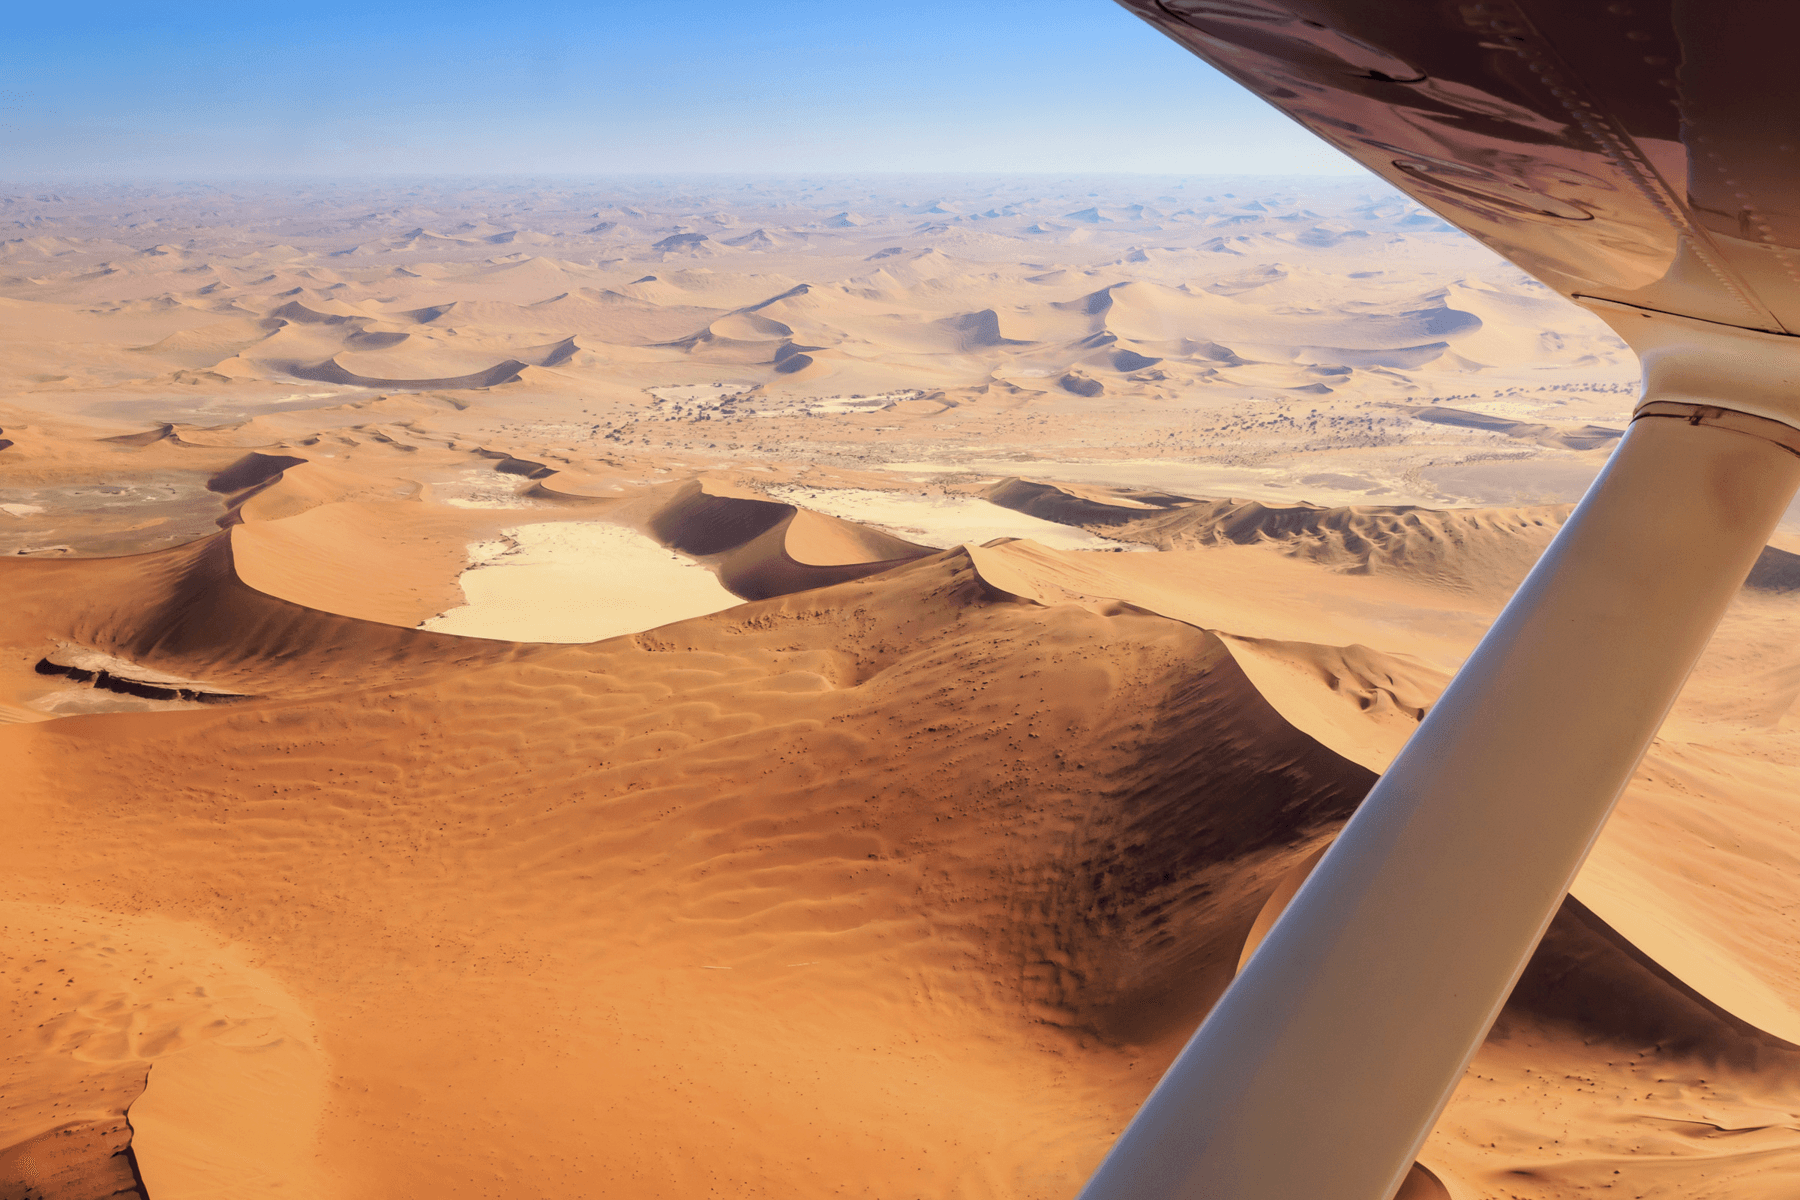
(839, 405)
(692, 393)
(577, 581)
(1268, 485)
(942, 521)
(482, 487)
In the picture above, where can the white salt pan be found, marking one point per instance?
(577, 581)
(940, 520)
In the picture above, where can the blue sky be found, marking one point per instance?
(192, 90)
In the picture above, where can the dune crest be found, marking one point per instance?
(761, 548)
(1484, 548)
(1363, 704)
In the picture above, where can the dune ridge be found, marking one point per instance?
(762, 548)
(1460, 548)
(331, 371)
(1474, 549)
(1364, 704)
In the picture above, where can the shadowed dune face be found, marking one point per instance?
(189, 608)
(1483, 548)
(252, 470)
(82, 1161)
(701, 523)
(761, 548)
(1588, 437)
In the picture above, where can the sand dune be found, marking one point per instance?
(1363, 704)
(892, 829)
(943, 520)
(378, 561)
(343, 544)
(1488, 550)
(251, 472)
(839, 284)
(761, 548)
(1130, 958)
(330, 371)
(771, 938)
(1587, 437)
(1491, 548)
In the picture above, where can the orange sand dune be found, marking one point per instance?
(758, 547)
(330, 371)
(375, 560)
(764, 549)
(1363, 704)
(302, 484)
(885, 938)
(1587, 437)
(1486, 550)
(1460, 548)
(987, 836)
(902, 878)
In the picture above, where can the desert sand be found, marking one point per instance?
(796, 689)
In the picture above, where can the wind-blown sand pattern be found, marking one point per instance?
(899, 829)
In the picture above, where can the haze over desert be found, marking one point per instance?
(796, 686)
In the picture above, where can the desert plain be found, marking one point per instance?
(796, 687)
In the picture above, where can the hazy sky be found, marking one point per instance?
(186, 89)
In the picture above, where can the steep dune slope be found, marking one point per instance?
(1727, 946)
(189, 611)
(378, 561)
(762, 548)
(1479, 549)
(890, 866)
